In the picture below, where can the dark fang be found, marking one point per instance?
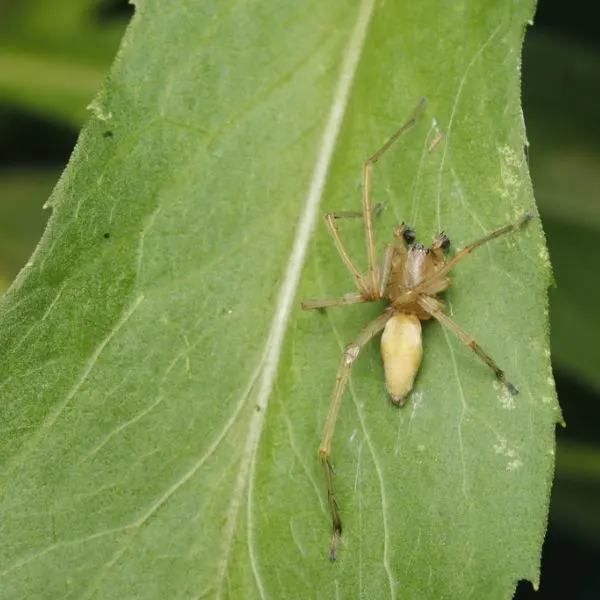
(409, 234)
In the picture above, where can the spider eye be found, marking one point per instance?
(408, 233)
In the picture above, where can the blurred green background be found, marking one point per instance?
(54, 56)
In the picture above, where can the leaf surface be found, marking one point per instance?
(163, 396)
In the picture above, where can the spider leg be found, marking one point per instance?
(522, 220)
(367, 172)
(330, 219)
(432, 306)
(350, 355)
(386, 269)
(351, 214)
(344, 300)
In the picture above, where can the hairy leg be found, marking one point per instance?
(350, 355)
(433, 308)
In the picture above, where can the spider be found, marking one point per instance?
(410, 278)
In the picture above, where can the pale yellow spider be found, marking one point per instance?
(410, 278)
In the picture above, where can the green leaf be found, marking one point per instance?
(163, 396)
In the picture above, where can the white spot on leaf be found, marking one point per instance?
(502, 449)
(506, 399)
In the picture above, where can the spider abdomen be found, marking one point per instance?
(402, 352)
